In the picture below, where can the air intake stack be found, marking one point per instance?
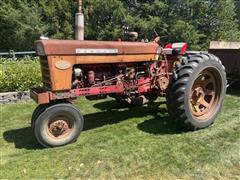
(79, 22)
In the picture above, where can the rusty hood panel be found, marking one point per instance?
(75, 47)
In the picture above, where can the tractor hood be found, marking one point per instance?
(75, 47)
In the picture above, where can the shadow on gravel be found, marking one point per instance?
(111, 114)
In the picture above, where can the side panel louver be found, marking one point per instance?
(45, 73)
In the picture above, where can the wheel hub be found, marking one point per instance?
(203, 94)
(59, 128)
(197, 95)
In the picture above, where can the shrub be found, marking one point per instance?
(20, 74)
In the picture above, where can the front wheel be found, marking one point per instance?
(58, 125)
(196, 93)
(39, 109)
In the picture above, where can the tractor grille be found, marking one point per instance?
(45, 73)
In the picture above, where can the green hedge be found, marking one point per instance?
(20, 74)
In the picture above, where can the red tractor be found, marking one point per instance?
(134, 73)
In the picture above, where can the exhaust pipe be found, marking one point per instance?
(79, 22)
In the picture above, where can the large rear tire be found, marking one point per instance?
(197, 90)
(58, 125)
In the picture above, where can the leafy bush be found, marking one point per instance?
(20, 74)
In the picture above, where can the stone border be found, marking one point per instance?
(13, 97)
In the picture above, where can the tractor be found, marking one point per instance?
(134, 73)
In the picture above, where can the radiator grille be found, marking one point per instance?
(45, 73)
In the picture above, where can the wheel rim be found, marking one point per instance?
(205, 94)
(59, 128)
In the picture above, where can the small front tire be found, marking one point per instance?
(39, 109)
(58, 125)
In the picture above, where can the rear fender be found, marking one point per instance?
(175, 48)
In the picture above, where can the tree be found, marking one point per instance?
(58, 16)
(104, 19)
(166, 17)
(20, 25)
(237, 11)
(226, 22)
(200, 21)
(194, 21)
(23, 22)
(147, 17)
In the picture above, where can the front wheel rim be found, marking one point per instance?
(59, 128)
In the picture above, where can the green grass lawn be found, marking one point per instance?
(121, 143)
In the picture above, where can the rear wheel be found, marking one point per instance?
(58, 125)
(196, 93)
